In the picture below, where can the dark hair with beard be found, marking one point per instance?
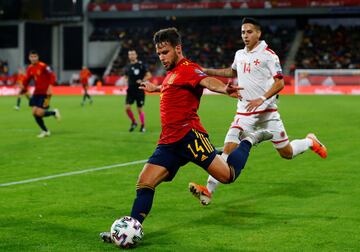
(170, 35)
(252, 21)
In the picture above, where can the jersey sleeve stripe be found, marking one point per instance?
(271, 51)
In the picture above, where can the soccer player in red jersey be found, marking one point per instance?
(183, 138)
(84, 75)
(43, 78)
(23, 91)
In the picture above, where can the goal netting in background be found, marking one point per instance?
(327, 81)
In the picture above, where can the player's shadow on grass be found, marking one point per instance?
(296, 189)
(243, 212)
(161, 238)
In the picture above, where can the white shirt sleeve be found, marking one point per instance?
(274, 66)
(233, 65)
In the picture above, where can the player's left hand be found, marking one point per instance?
(253, 104)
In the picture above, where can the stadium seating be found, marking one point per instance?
(326, 47)
(212, 45)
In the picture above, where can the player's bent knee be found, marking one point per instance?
(223, 176)
(39, 113)
(286, 154)
(152, 175)
(220, 170)
(224, 180)
(36, 113)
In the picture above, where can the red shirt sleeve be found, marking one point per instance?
(52, 78)
(194, 74)
(27, 77)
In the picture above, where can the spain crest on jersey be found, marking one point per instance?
(171, 79)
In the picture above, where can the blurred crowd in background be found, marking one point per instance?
(215, 45)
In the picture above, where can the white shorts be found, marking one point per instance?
(264, 120)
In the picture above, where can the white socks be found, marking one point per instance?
(212, 183)
(300, 146)
(224, 156)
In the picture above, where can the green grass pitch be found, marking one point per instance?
(306, 204)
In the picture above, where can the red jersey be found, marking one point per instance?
(20, 79)
(84, 76)
(42, 76)
(179, 101)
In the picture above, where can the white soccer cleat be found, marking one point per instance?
(17, 108)
(256, 137)
(44, 134)
(57, 114)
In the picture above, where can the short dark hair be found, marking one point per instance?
(253, 21)
(170, 35)
(33, 52)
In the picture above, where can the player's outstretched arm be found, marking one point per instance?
(218, 86)
(149, 87)
(274, 90)
(49, 90)
(225, 72)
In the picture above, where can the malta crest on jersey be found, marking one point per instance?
(256, 62)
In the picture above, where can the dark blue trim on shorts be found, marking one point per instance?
(193, 147)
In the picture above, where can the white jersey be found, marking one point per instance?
(256, 71)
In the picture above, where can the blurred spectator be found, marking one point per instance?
(163, 1)
(324, 47)
(4, 68)
(213, 43)
(4, 73)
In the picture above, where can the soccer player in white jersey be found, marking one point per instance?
(259, 73)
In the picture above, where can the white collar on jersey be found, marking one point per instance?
(261, 46)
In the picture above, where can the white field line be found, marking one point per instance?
(71, 173)
(76, 172)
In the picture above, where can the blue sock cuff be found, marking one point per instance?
(237, 159)
(143, 202)
(246, 145)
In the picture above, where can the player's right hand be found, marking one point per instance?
(233, 90)
(148, 86)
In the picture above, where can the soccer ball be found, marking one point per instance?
(126, 232)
